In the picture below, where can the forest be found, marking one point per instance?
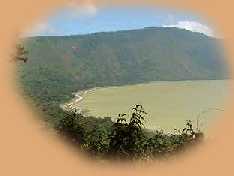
(55, 67)
(101, 138)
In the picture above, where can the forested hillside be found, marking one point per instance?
(59, 65)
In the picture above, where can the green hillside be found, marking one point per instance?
(59, 65)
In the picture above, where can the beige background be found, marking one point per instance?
(27, 149)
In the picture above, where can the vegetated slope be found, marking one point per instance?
(58, 65)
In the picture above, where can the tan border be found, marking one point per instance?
(27, 149)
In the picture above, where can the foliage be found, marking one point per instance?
(21, 53)
(125, 140)
(69, 126)
(55, 69)
(64, 64)
(126, 137)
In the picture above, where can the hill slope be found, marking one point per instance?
(59, 65)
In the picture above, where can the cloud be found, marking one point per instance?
(42, 29)
(75, 11)
(87, 9)
(193, 26)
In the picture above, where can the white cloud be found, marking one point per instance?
(77, 10)
(42, 28)
(193, 26)
(87, 9)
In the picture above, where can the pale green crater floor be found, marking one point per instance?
(169, 104)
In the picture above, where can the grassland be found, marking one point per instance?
(168, 104)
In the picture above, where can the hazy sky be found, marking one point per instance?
(89, 19)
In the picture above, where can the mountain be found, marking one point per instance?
(58, 65)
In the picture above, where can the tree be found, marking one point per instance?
(126, 138)
(21, 53)
(69, 127)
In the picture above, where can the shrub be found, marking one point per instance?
(125, 139)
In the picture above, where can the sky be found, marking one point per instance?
(76, 20)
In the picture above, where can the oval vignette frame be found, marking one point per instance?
(27, 150)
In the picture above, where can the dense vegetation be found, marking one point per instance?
(104, 139)
(58, 66)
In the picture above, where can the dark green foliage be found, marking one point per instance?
(88, 133)
(64, 64)
(70, 127)
(59, 66)
(105, 139)
(126, 138)
(97, 140)
(162, 144)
